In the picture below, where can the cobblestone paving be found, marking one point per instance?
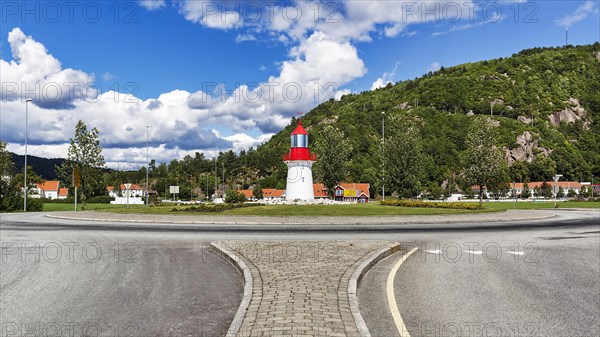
(301, 287)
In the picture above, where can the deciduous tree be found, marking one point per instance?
(483, 161)
(85, 152)
(333, 150)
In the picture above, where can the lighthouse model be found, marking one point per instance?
(299, 162)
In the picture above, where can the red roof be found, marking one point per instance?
(320, 190)
(277, 193)
(299, 129)
(272, 193)
(63, 192)
(51, 185)
(247, 193)
(132, 187)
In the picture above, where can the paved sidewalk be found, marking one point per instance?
(304, 220)
(300, 288)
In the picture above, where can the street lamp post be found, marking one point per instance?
(383, 155)
(147, 163)
(223, 171)
(25, 174)
(556, 178)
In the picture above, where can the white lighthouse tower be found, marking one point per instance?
(299, 162)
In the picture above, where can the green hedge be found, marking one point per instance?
(211, 208)
(422, 204)
(101, 199)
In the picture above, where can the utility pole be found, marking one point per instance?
(25, 189)
(383, 155)
(223, 171)
(147, 163)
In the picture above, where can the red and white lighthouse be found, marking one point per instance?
(299, 162)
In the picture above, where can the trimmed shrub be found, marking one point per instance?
(422, 204)
(100, 199)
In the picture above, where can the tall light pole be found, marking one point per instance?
(147, 163)
(25, 174)
(223, 171)
(383, 155)
(216, 179)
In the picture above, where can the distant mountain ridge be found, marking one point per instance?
(44, 167)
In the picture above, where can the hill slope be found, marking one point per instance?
(546, 102)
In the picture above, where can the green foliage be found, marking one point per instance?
(404, 156)
(85, 152)
(526, 193)
(483, 161)
(257, 193)
(233, 197)
(218, 208)
(422, 204)
(100, 199)
(333, 150)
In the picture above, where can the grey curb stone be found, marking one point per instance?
(357, 275)
(248, 285)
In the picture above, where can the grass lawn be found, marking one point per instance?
(51, 207)
(369, 209)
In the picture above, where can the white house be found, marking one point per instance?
(48, 189)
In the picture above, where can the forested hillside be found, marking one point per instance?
(545, 101)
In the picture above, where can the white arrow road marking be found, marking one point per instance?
(391, 297)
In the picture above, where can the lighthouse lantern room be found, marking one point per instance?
(299, 162)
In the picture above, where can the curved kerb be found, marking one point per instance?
(357, 275)
(236, 324)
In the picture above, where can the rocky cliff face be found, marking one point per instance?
(526, 151)
(569, 115)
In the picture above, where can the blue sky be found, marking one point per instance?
(170, 54)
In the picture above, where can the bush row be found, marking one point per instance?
(422, 204)
(211, 208)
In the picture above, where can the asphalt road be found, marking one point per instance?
(533, 282)
(156, 280)
(59, 282)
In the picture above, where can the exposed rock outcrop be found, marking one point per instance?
(569, 115)
(526, 151)
(524, 120)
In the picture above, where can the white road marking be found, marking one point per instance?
(516, 253)
(392, 297)
(476, 252)
(437, 251)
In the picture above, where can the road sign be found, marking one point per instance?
(76, 177)
(127, 186)
(174, 189)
